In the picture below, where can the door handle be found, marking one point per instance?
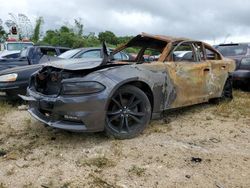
(223, 67)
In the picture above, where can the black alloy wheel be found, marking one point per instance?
(128, 113)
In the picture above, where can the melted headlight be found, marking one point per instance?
(80, 88)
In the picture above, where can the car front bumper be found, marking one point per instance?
(11, 90)
(84, 113)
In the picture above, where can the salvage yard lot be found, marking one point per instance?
(206, 145)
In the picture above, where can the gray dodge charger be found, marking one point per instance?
(121, 96)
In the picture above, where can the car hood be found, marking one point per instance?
(76, 64)
(20, 69)
(67, 64)
(6, 52)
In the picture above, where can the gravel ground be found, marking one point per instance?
(206, 145)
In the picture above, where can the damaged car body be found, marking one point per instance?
(120, 97)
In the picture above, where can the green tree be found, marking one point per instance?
(124, 39)
(64, 37)
(37, 30)
(78, 27)
(2, 32)
(108, 37)
(91, 40)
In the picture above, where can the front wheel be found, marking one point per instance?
(128, 113)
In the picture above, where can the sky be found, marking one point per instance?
(214, 21)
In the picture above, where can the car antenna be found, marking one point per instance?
(104, 54)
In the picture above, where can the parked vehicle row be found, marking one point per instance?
(15, 72)
(11, 49)
(32, 55)
(15, 80)
(240, 52)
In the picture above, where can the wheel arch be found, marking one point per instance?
(139, 84)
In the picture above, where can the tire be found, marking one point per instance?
(128, 113)
(227, 93)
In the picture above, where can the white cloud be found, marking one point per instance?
(198, 19)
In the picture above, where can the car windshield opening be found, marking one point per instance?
(143, 50)
(17, 46)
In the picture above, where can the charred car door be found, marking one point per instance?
(218, 74)
(190, 74)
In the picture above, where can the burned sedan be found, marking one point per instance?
(120, 97)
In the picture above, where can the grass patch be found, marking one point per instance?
(116, 148)
(5, 108)
(27, 121)
(160, 126)
(136, 170)
(10, 172)
(100, 162)
(2, 152)
(2, 185)
(238, 107)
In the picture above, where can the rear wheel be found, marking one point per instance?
(128, 113)
(228, 89)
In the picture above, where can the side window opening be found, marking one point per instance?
(48, 51)
(211, 55)
(151, 55)
(184, 52)
(198, 48)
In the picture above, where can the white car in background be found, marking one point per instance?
(181, 53)
(12, 49)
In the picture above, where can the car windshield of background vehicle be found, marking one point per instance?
(69, 54)
(234, 50)
(17, 46)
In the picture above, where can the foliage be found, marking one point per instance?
(108, 37)
(92, 41)
(67, 36)
(37, 30)
(2, 33)
(78, 27)
(124, 39)
(64, 37)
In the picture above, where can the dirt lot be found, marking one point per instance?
(206, 145)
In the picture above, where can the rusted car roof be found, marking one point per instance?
(165, 38)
